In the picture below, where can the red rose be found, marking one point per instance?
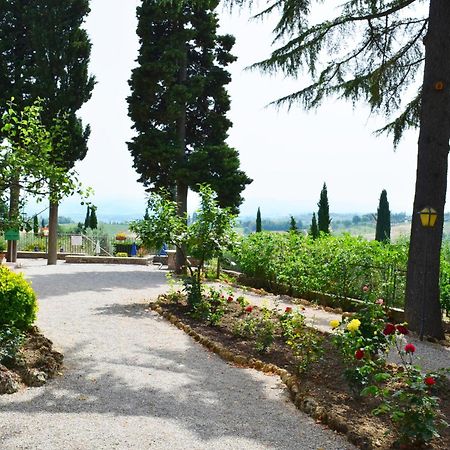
(230, 299)
(402, 329)
(429, 381)
(410, 348)
(359, 354)
(249, 309)
(389, 329)
(288, 310)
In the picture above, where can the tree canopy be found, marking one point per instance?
(179, 87)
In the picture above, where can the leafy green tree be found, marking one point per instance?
(383, 228)
(43, 56)
(379, 51)
(179, 102)
(93, 222)
(258, 221)
(314, 229)
(323, 214)
(206, 238)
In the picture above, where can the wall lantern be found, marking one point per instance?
(428, 217)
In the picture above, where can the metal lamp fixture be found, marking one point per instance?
(428, 217)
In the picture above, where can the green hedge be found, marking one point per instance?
(18, 304)
(338, 265)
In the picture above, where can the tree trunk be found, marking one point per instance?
(52, 248)
(182, 187)
(422, 307)
(13, 218)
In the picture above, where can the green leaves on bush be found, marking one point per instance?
(11, 340)
(18, 304)
(338, 265)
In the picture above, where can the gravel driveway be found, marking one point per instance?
(133, 381)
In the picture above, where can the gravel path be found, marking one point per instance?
(133, 381)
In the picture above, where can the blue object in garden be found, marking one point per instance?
(163, 251)
(133, 249)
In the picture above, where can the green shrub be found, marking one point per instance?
(11, 340)
(18, 304)
(2, 245)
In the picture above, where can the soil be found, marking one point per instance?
(35, 364)
(323, 381)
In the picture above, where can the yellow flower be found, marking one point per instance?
(353, 325)
(334, 323)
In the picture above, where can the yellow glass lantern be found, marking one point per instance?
(428, 217)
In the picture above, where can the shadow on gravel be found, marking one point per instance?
(136, 310)
(58, 284)
(209, 398)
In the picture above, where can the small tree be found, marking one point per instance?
(35, 225)
(383, 228)
(93, 223)
(87, 219)
(324, 211)
(208, 237)
(293, 225)
(314, 230)
(258, 221)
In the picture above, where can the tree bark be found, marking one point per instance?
(182, 187)
(52, 248)
(14, 212)
(422, 305)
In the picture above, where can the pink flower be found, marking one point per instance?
(410, 348)
(402, 329)
(429, 381)
(230, 299)
(380, 301)
(365, 288)
(389, 329)
(249, 309)
(288, 310)
(359, 354)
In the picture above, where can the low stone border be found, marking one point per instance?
(75, 259)
(302, 401)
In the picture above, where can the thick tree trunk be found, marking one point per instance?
(14, 213)
(182, 187)
(422, 307)
(52, 248)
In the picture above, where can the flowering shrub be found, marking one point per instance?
(306, 343)
(363, 341)
(121, 236)
(211, 307)
(406, 395)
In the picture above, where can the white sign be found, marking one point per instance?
(76, 240)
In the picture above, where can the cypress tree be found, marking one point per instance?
(35, 225)
(179, 103)
(383, 228)
(93, 223)
(314, 230)
(258, 221)
(293, 225)
(87, 219)
(324, 212)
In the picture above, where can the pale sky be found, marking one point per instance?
(289, 155)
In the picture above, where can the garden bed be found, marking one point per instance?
(321, 390)
(33, 366)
